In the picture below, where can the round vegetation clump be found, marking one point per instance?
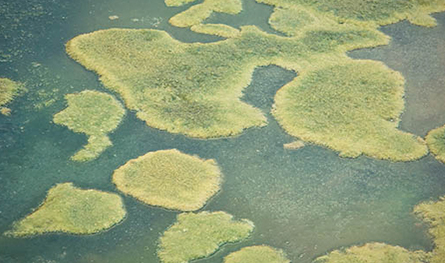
(94, 114)
(257, 254)
(72, 210)
(169, 179)
(434, 214)
(199, 235)
(435, 140)
(8, 89)
(352, 108)
(374, 253)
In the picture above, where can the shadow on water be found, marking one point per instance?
(306, 201)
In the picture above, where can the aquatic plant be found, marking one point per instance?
(257, 254)
(374, 253)
(435, 140)
(72, 210)
(352, 108)
(199, 235)
(95, 114)
(216, 29)
(169, 179)
(295, 145)
(434, 214)
(8, 90)
(198, 13)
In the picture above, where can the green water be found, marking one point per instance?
(305, 202)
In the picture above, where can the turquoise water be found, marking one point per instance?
(306, 202)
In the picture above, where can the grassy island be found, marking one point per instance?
(434, 214)
(257, 254)
(94, 114)
(8, 89)
(199, 235)
(72, 210)
(169, 179)
(435, 140)
(374, 253)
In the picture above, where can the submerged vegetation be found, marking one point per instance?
(169, 179)
(374, 253)
(8, 89)
(72, 210)
(435, 140)
(257, 254)
(95, 114)
(199, 235)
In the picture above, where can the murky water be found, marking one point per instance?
(306, 202)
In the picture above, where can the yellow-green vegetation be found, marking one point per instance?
(8, 89)
(199, 235)
(94, 114)
(257, 254)
(72, 210)
(198, 13)
(216, 29)
(435, 140)
(434, 214)
(353, 108)
(379, 12)
(374, 253)
(295, 145)
(169, 179)
(177, 2)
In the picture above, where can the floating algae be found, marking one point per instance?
(72, 210)
(198, 13)
(199, 235)
(95, 114)
(374, 253)
(257, 254)
(169, 179)
(434, 214)
(435, 140)
(8, 89)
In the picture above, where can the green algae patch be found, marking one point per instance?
(169, 179)
(72, 210)
(434, 214)
(220, 30)
(200, 12)
(353, 108)
(8, 90)
(374, 253)
(199, 235)
(94, 114)
(435, 140)
(257, 254)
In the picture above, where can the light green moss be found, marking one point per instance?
(199, 235)
(169, 179)
(8, 90)
(95, 114)
(198, 13)
(435, 140)
(72, 210)
(216, 29)
(257, 254)
(374, 253)
(434, 214)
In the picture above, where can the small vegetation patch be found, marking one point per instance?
(295, 145)
(435, 140)
(216, 29)
(199, 235)
(72, 210)
(8, 90)
(257, 254)
(374, 253)
(94, 114)
(169, 179)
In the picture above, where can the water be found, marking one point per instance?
(307, 201)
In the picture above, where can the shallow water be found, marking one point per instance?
(307, 201)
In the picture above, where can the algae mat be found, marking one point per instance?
(305, 202)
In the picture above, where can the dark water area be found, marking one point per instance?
(306, 202)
